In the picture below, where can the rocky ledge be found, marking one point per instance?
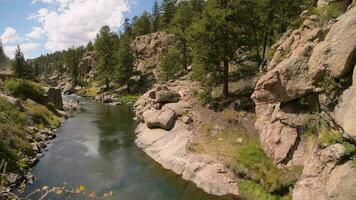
(165, 131)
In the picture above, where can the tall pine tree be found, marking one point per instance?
(215, 38)
(168, 9)
(105, 46)
(155, 17)
(19, 66)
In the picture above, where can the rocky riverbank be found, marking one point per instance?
(38, 139)
(166, 128)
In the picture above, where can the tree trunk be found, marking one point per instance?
(107, 83)
(185, 57)
(226, 78)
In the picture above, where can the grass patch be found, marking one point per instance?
(243, 153)
(25, 89)
(254, 191)
(41, 115)
(129, 98)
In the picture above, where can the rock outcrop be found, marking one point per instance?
(298, 76)
(308, 67)
(147, 51)
(325, 178)
(87, 64)
(165, 132)
(54, 95)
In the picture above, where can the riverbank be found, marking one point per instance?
(168, 116)
(38, 127)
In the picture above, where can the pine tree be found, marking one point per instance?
(2, 54)
(215, 38)
(90, 46)
(179, 26)
(19, 66)
(155, 17)
(125, 60)
(168, 8)
(142, 25)
(105, 46)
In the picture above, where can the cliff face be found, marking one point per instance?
(311, 72)
(147, 51)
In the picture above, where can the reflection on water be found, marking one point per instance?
(96, 148)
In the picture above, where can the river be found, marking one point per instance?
(96, 149)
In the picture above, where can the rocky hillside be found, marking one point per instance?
(304, 114)
(304, 106)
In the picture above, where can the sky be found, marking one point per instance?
(44, 26)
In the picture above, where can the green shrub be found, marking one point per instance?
(171, 65)
(329, 137)
(328, 12)
(205, 96)
(313, 123)
(13, 144)
(329, 84)
(25, 89)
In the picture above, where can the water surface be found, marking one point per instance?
(96, 149)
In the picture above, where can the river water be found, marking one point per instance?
(96, 149)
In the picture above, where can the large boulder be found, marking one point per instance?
(54, 95)
(342, 114)
(69, 88)
(163, 119)
(336, 55)
(324, 177)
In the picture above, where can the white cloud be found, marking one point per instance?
(36, 33)
(75, 22)
(10, 35)
(25, 48)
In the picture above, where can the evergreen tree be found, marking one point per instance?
(3, 57)
(72, 61)
(179, 26)
(105, 46)
(155, 17)
(127, 28)
(142, 25)
(90, 46)
(125, 61)
(215, 38)
(19, 66)
(168, 8)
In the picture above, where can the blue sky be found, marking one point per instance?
(42, 26)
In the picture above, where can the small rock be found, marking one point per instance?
(40, 137)
(187, 119)
(34, 147)
(31, 130)
(12, 178)
(116, 103)
(239, 140)
(29, 178)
